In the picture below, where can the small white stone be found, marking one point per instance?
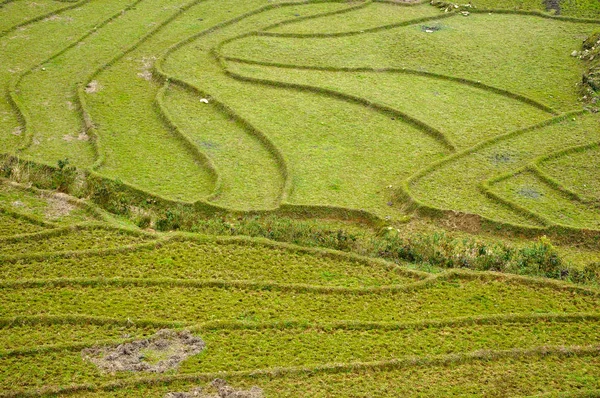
(204, 100)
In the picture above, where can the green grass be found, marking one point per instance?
(57, 128)
(496, 157)
(526, 376)
(24, 336)
(249, 174)
(216, 260)
(371, 16)
(239, 350)
(578, 171)
(44, 206)
(23, 49)
(69, 240)
(572, 8)
(18, 12)
(10, 225)
(294, 116)
(137, 301)
(466, 115)
(534, 51)
(536, 196)
(305, 347)
(148, 167)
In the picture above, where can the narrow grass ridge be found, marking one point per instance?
(393, 364)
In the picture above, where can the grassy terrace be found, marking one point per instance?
(340, 198)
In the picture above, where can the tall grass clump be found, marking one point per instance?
(539, 258)
(282, 229)
(426, 250)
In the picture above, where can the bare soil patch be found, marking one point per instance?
(162, 352)
(93, 87)
(146, 67)
(223, 391)
(58, 206)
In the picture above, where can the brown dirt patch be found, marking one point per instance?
(223, 390)
(58, 206)
(93, 87)
(462, 222)
(147, 63)
(17, 131)
(162, 352)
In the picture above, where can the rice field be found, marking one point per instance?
(338, 198)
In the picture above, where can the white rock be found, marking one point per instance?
(204, 100)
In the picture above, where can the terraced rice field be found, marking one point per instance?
(121, 118)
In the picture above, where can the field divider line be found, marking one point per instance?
(83, 226)
(330, 368)
(13, 90)
(44, 16)
(80, 253)
(362, 4)
(384, 109)
(212, 284)
(587, 393)
(36, 236)
(533, 167)
(201, 157)
(27, 218)
(550, 181)
(90, 209)
(532, 13)
(357, 32)
(405, 193)
(528, 281)
(269, 145)
(89, 126)
(551, 226)
(77, 319)
(160, 240)
(476, 320)
(407, 71)
(484, 144)
(435, 279)
(256, 133)
(403, 3)
(491, 320)
(485, 189)
(321, 252)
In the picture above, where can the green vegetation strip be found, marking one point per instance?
(186, 257)
(70, 333)
(68, 239)
(12, 225)
(448, 297)
(311, 347)
(536, 355)
(43, 16)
